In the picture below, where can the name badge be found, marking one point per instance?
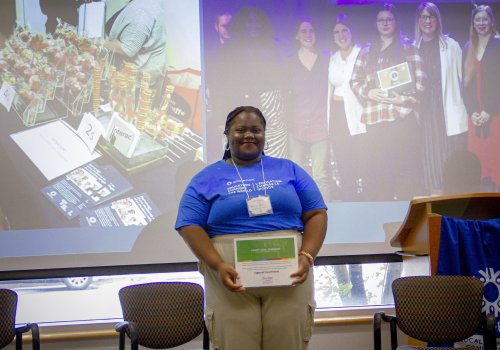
(258, 206)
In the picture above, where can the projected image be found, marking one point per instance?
(101, 104)
(375, 102)
(106, 102)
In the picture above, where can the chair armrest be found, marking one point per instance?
(489, 337)
(129, 328)
(121, 326)
(206, 338)
(122, 329)
(377, 334)
(35, 335)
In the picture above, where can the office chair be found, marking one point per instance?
(8, 329)
(161, 315)
(437, 310)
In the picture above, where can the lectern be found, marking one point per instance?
(420, 233)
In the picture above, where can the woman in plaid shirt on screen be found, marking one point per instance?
(393, 133)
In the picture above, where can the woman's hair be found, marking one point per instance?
(238, 24)
(433, 11)
(233, 114)
(399, 40)
(342, 18)
(474, 40)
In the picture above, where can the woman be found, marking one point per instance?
(308, 128)
(443, 115)
(138, 35)
(393, 139)
(250, 69)
(346, 129)
(214, 211)
(481, 95)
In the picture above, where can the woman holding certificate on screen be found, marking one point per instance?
(387, 80)
(261, 203)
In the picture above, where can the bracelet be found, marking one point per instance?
(308, 256)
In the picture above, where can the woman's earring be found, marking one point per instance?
(227, 147)
(267, 146)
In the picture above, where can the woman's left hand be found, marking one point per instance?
(397, 99)
(301, 274)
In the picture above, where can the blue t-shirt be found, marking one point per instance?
(215, 199)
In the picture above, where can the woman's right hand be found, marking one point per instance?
(197, 239)
(484, 117)
(229, 277)
(476, 119)
(377, 95)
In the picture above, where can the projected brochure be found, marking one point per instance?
(266, 261)
(136, 210)
(86, 187)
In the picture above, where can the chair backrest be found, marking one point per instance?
(167, 314)
(438, 309)
(8, 308)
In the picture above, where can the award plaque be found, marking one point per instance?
(397, 77)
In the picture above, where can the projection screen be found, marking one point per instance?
(100, 135)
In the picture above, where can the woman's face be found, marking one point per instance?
(427, 23)
(386, 23)
(246, 136)
(306, 35)
(482, 23)
(253, 25)
(342, 36)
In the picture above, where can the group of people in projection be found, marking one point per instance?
(331, 109)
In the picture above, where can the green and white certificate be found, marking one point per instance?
(266, 261)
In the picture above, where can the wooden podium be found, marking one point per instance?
(420, 233)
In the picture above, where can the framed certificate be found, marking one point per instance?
(266, 261)
(398, 76)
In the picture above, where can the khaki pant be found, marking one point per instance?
(267, 318)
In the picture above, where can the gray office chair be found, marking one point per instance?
(8, 329)
(437, 310)
(162, 315)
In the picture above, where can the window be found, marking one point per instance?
(81, 301)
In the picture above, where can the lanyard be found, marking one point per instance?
(263, 177)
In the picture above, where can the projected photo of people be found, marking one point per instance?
(307, 114)
(248, 69)
(396, 89)
(344, 110)
(481, 94)
(393, 134)
(442, 114)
